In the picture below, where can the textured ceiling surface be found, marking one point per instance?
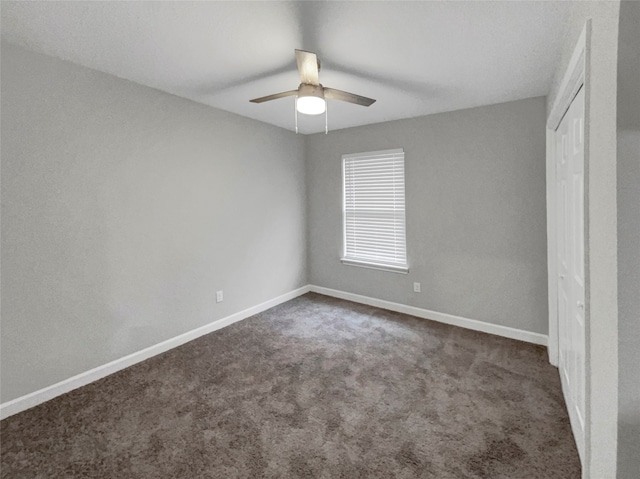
(415, 58)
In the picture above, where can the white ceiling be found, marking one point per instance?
(415, 58)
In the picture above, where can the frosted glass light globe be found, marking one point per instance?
(311, 105)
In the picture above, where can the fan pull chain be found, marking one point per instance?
(326, 117)
(295, 112)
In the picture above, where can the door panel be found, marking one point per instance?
(576, 166)
(570, 231)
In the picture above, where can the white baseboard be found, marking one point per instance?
(30, 400)
(498, 330)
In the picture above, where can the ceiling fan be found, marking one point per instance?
(311, 96)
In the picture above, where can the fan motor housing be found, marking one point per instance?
(306, 89)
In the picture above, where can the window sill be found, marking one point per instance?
(382, 267)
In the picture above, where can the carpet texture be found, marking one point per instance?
(314, 388)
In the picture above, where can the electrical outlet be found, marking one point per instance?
(219, 297)
(416, 288)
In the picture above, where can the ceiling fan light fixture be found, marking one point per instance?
(311, 95)
(311, 105)
(311, 100)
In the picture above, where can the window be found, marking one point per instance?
(374, 210)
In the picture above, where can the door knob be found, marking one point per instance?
(581, 305)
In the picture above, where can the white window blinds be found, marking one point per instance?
(374, 210)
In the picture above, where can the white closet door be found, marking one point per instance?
(570, 230)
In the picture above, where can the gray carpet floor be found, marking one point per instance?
(314, 388)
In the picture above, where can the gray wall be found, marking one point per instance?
(476, 217)
(629, 241)
(124, 209)
(601, 224)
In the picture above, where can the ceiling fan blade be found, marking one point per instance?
(274, 96)
(348, 97)
(308, 66)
